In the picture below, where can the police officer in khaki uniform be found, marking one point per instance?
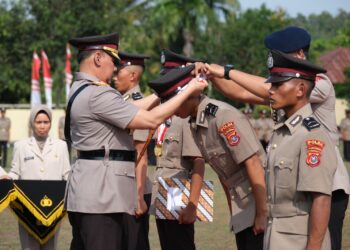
(178, 156)
(5, 126)
(228, 143)
(127, 79)
(102, 186)
(345, 133)
(299, 176)
(39, 158)
(252, 89)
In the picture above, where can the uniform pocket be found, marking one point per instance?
(242, 190)
(172, 144)
(123, 170)
(283, 173)
(217, 158)
(293, 225)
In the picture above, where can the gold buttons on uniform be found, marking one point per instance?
(42, 169)
(125, 173)
(281, 162)
(274, 146)
(250, 189)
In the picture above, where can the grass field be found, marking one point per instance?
(209, 236)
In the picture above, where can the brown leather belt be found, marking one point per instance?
(114, 155)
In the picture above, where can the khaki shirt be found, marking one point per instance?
(298, 164)
(99, 117)
(140, 135)
(178, 151)
(226, 139)
(29, 163)
(323, 105)
(345, 127)
(61, 127)
(5, 125)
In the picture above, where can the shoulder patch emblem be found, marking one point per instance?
(314, 150)
(211, 109)
(229, 131)
(136, 96)
(311, 123)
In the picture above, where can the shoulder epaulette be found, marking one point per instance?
(211, 109)
(136, 96)
(100, 83)
(311, 123)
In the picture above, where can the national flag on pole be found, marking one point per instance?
(35, 98)
(47, 79)
(68, 72)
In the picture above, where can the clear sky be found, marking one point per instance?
(305, 7)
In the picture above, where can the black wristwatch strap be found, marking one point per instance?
(227, 69)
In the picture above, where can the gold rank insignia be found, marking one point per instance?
(158, 150)
(229, 131)
(46, 202)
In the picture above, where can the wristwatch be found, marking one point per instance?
(227, 69)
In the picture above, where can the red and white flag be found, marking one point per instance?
(68, 72)
(47, 79)
(35, 98)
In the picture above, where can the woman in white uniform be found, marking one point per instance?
(39, 157)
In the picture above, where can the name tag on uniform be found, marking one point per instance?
(28, 158)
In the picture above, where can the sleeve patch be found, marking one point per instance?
(229, 131)
(314, 150)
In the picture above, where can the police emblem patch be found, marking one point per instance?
(314, 148)
(269, 62)
(162, 58)
(229, 131)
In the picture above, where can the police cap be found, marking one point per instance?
(171, 60)
(127, 59)
(288, 40)
(284, 67)
(108, 43)
(171, 83)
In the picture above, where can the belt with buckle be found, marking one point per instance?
(114, 155)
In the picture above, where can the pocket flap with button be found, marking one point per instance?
(284, 176)
(125, 170)
(169, 137)
(292, 225)
(242, 191)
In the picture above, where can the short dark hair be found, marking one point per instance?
(83, 54)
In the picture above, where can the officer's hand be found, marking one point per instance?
(5, 177)
(141, 208)
(214, 70)
(197, 85)
(188, 214)
(198, 69)
(260, 223)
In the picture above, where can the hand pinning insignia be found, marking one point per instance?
(229, 131)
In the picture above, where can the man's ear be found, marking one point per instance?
(97, 58)
(301, 89)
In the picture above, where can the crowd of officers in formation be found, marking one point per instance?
(285, 182)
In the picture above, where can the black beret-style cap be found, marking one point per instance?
(172, 82)
(284, 67)
(127, 59)
(288, 40)
(109, 43)
(171, 60)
